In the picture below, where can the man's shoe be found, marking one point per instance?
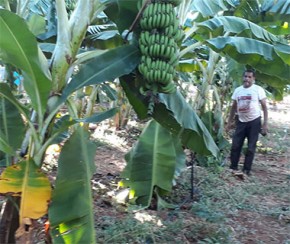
(233, 171)
(239, 174)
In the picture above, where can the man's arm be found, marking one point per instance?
(265, 116)
(232, 114)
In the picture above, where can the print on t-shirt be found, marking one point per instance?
(244, 103)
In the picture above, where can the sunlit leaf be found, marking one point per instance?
(25, 179)
(237, 25)
(36, 24)
(151, 163)
(98, 117)
(210, 8)
(256, 53)
(71, 211)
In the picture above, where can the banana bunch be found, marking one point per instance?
(175, 3)
(158, 42)
(156, 45)
(157, 15)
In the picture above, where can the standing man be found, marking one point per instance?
(246, 103)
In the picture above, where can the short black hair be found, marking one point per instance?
(250, 71)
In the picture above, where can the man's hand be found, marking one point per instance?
(264, 130)
(231, 123)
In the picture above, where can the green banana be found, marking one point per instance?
(174, 61)
(179, 35)
(148, 11)
(157, 38)
(169, 31)
(168, 88)
(159, 9)
(167, 8)
(162, 77)
(175, 25)
(148, 61)
(143, 59)
(141, 68)
(157, 50)
(146, 36)
(172, 18)
(142, 48)
(162, 50)
(142, 40)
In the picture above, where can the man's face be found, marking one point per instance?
(248, 79)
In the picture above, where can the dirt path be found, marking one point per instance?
(267, 218)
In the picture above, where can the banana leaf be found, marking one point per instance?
(6, 93)
(71, 211)
(262, 11)
(36, 24)
(12, 128)
(18, 47)
(238, 26)
(5, 146)
(109, 91)
(120, 8)
(258, 54)
(60, 131)
(25, 179)
(276, 9)
(283, 51)
(105, 67)
(249, 10)
(98, 117)
(174, 113)
(208, 8)
(151, 163)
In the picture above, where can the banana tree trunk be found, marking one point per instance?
(9, 220)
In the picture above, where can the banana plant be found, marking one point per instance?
(47, 92)
(50, 84)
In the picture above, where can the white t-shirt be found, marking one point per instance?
(248, 102)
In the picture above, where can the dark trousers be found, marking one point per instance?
(249, 130)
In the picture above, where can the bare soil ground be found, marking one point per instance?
(224, 208)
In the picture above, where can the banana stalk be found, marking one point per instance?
(78, 23)
(62, 55)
